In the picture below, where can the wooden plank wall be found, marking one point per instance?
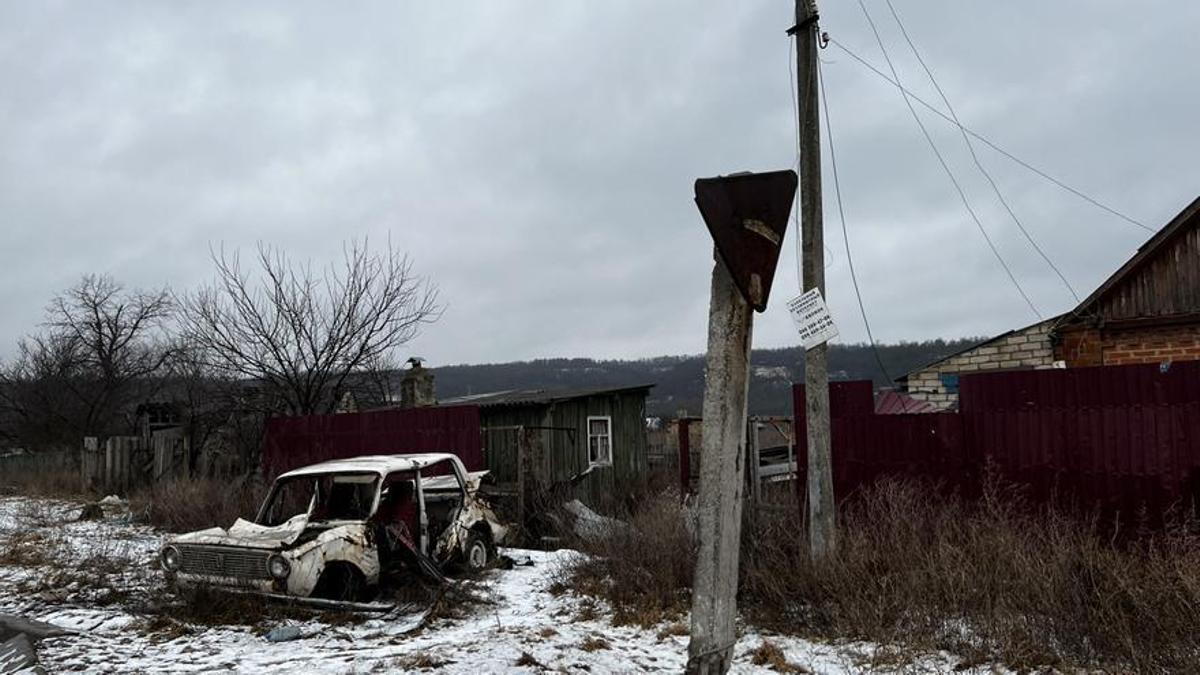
(1167, 284)
(562, 453)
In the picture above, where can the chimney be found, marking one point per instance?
(416, 389)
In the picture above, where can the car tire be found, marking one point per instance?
(477, 554)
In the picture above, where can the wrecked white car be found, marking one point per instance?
(335, 530)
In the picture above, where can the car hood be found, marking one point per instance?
(248, 534)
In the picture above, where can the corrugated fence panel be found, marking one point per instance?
(292, 442)
(1125, 439)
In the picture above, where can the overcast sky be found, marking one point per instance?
(536, 159)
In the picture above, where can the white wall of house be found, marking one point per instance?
(1028, 348)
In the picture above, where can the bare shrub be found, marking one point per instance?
(991, 580)
(26, 548)
(194, 504)
(644, 569)
(996, 579)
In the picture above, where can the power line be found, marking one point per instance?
(933, 146)
(796, 163)
(895, 83)
(837, 191)
(975, 157)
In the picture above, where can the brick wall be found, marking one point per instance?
(1028, 348)
(1115, 347)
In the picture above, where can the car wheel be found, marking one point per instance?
(478, 552)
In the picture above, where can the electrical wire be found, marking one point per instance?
(983, 139)
(946, 167)
(975, 157)
(791, 44)
(837, 191)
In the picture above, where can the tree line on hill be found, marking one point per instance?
(679, 380)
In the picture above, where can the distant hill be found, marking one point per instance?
(679, 380)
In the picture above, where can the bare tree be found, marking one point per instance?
(301, 334)
(97, 355)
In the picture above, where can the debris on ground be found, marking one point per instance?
(18, 636)
(285, 634)
(91, 512)
(589, 524)
(18, 656)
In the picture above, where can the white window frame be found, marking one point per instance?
(606, 461)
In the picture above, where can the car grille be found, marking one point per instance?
(224, 561)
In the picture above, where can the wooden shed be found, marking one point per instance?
(537, 438)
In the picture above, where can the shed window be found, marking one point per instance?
(599, 441)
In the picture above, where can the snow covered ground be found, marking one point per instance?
(522, 627)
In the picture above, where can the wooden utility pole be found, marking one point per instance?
(822, 526)
(719, 509)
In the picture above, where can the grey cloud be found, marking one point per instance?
(536, 159)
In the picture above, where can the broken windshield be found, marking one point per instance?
(322, 497)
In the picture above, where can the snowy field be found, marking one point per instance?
(521, 627)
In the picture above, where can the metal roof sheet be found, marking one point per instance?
(512, 397)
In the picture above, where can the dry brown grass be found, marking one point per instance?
(994, 580)
(195, 504)
(421, 661)
(644, 570)
(62, 482)
(528, 660)
(26, 548)
(769, 654)
(594, 643)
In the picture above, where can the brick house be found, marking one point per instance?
(1146, 312)
(1024, 348)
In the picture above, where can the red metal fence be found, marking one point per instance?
(293, 442)
(1124, 438)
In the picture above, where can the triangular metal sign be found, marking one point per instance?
(747, 216)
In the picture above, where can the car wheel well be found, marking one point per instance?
(341, 580)
(484, 529)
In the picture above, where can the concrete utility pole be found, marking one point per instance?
(714, 590)
(747, 216)
(822, 525)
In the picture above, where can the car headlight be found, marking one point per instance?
(278, 566)
(171, 559)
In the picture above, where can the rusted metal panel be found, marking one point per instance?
(292, 442)
(1122, 438)
(747, 216)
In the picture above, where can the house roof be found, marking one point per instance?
(516, 397)
(895, 403)
(1186, 219)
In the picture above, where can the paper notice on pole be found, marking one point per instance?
(812, 318)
